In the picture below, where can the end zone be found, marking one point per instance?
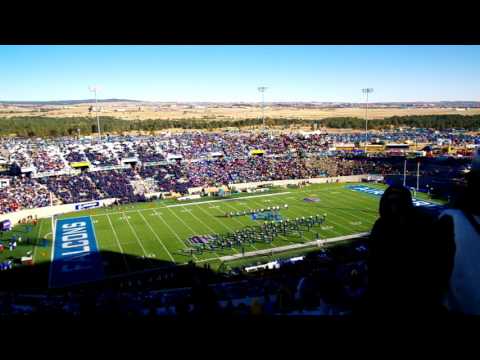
(75, 254)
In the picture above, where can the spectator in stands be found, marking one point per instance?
(284, 299)
(460, 230)
(256, 307)
(404, 282)
(204, 299)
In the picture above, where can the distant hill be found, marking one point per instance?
(280, 104)
(67, 102)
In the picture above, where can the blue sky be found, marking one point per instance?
(233, 73)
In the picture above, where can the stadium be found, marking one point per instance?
(155, 212)
(178, 206)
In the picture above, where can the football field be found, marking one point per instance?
(138, 237)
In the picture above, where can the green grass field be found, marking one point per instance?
(158, 230)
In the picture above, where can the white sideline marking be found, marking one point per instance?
(39, 234)
(51, 255)
(251, 253)
(234, 199)
(294, 246)
(195, 203)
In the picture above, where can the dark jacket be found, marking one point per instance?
(407, 266)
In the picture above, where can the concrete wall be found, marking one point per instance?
(49, 211)
(321, 180)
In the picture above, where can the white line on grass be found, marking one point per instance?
(193, 232)
(174, 233)
(158, 239)
(280, 236)
(51, 256)
(243, 225)
(233, 199)
(194, 203)
(203, 222)
(136, 236)
(39, 233)
(337, 199)
(118, 242)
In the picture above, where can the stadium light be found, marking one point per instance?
(366, 91)
(94, 89)
(262, 89)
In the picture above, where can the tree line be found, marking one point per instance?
(33, 126)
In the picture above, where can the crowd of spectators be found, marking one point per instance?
(324, 283)
(72, 189)
(126, 184)
(54, 154)
(23, 193)
(202, 159)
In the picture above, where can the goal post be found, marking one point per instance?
(53, 225)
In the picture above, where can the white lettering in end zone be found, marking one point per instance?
(377, 192)
(76, 257)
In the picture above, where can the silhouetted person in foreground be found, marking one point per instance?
(460, 227)
(407, 267)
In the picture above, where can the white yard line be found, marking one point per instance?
(329, 216)
(343, 199)
(337, 199)
(226, 227)
(39, 233)
(243, 225)
(51, 257)
(118, 242)
(281, 236)
(258, 252)
(173, 231)
(203, 222)
(156, 236)
(136, 236)
(193, 232)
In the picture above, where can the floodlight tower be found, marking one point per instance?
(366, 91)
(94, 89)
(262, 89)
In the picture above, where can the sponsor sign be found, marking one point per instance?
(257, 152)
(109, 167)
(56, 173)
(129, 160)
(75, 255)
(6, 225)
(76, 164)
(86, 206)
(154, 163)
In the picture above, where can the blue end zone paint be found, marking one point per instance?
(379, 192)
(75, 258)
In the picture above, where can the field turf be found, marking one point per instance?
(150, 235)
